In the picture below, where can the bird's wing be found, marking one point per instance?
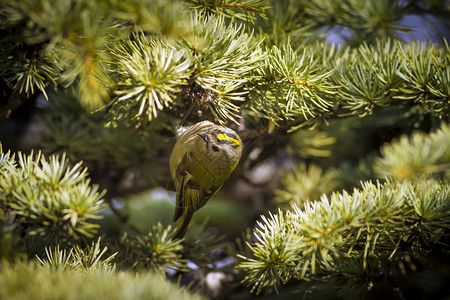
(189, 194)
(206, 195)
(183, 226)
(190, 199)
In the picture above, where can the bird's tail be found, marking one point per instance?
(184, 224)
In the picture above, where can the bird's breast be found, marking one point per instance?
(210, 171)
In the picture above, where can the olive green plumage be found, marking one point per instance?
(202, 159)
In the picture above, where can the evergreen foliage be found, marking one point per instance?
(366, 232)
(304, 184)
(346, 155)
(41, 196)
(29, 281)
(87, 260)
(416, 157)
(154, 250)
(349, 235)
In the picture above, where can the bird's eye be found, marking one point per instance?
(215, 148)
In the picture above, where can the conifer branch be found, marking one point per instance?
(46, 195)
(89, 259)
(246, 10)
(365, 227)
(377, 223)
(419, 155)
(120, 74)
(35, 282)
(149, 76)
(155, 250)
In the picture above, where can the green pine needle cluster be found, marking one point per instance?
(154, 250)
(223, 58)
(351, 235)
(195, 55)
(149, 76)
(154, 72)
(106, 145)
(370, 19)
(290, 86)
(29, 281)
(304, 184)
(119, 75)
(246, 10)
(200, 244)
(416, 156)
(78, 259)
(44, 195)
(306, 86)
(374, 227)
(426, 79)
(32, 78)
(379, 75)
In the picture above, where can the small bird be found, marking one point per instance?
(202, 159)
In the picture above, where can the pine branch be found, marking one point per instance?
(304, 184)
(224, 57)
(419, 155)
(120, 157)
(425, 70)
(47, 196)
(339, 83)
(29, 281)
(78, 259)
(364, 20)
(246, 10)
(365, 228)
(289, 86)
(150, 75)
(155, 250)
(165, 17)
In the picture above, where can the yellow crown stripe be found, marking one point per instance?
(225, 137)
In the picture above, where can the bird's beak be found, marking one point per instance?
(203, 136)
